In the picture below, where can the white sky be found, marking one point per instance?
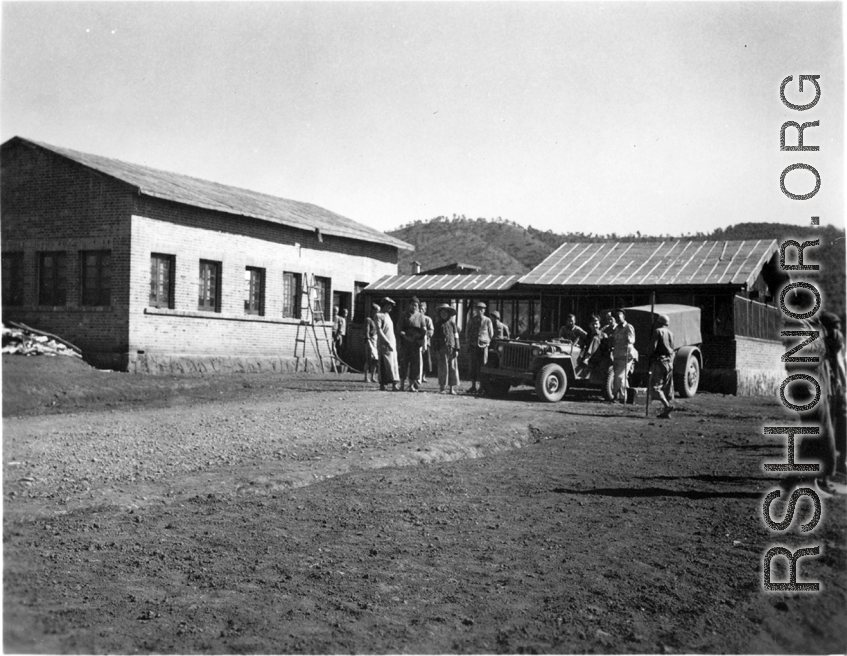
(601, 117)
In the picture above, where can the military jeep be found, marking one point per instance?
(552, 365)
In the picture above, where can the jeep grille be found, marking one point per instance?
(516, 356)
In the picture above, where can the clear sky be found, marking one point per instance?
(600, 117)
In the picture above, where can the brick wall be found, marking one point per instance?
(187, 338)
(49, 203)
(746, 366)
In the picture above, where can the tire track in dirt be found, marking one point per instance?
(133, 459)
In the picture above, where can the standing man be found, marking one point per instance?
(412, 337)
(826, 414)
(479, 333)
(426, 357)
(623, 352)
(570, 332)
(340, 335)
(445, 343)
(387, 346)
(661, 369)
(371, 346)
(338, 330)
(501, 330)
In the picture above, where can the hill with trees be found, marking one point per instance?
(503, 247)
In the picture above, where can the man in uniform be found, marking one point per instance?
(479, 333)
(426, 355)
(570, 332)
(624, 353)
(371, 346)
(501, 330)
(608, 324)
(412, 337)
(661, 369)
(595, 339)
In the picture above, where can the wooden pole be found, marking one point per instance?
(650, 357)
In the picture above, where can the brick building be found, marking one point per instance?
(733, 283)
(151, 271)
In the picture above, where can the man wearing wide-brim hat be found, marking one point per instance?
(479, 333)
(661, 365)
(387, 346)
(445, 343)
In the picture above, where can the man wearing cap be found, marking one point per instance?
(501, 330)
(445, 343)
(623, 353)
(412, 337)
(661, 369)
(387, 346)
(480, 332)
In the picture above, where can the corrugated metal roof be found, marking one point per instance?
(474, 282)
(232, 200)
(653, 263)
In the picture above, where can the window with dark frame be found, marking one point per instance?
(291, 295)
(52, 278)
(96, 275)
(254, 279)
(162, 269)
(209, 297)
(13, 278)
(324, 290)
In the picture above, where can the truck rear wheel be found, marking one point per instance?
(551, 383)
(688, 381)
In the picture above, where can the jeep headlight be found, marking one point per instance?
(536, 351)
(500, 349)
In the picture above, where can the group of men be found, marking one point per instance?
(403, 357)
(616, 337)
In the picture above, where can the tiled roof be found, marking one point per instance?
(232, 200)
(653, 264)
(475, 282)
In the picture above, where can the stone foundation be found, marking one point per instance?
(742, 382)
(214, 365)
(759, 382)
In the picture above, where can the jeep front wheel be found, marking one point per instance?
(551, 383)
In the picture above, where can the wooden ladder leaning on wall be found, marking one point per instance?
(307, 331)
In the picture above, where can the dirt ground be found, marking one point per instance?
(316, 514)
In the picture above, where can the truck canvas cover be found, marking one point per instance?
(684, 324)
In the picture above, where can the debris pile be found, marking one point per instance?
(24, 340)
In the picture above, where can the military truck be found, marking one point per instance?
(552, 364)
